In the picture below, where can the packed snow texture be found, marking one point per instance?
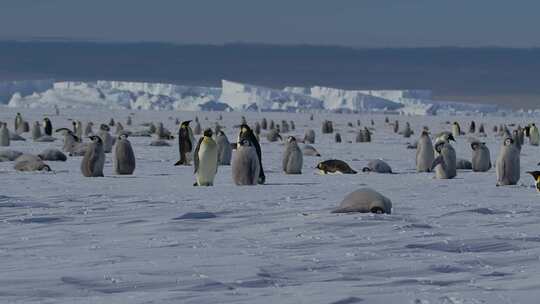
(154, 238)
(231, 96)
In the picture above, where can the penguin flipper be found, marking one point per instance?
(196, 156)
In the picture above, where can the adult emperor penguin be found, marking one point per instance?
(508, 163)
(534, 135)
(47, 126)
(245, 164)
(472, 127)
(456, 129)
(247, 133)
(206, 160)
(445, 163)
(185, 143)
(292, 157)
(124, 158)
(94, 159)
(481, 160)
(4, 135)
(224, 149)
(425, 154)
(18, 122)
(106, 137)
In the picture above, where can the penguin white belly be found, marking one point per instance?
(535, 137)
(207, 164)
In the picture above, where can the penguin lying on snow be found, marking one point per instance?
(365, 200)
(335, 166)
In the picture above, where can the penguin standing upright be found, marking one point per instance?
(508, 163)
(247, 134)
(445, 164)
(472, 127)
(224, 149)
(106, 137)
(292, 157)
(124, 158)
(481, 160)
(206, 160)
(424, 153)
(47, 126)
(18, 123)
(88, 130)
(36, 130)
(245, 164)
(456, 129)
(185, 143)
(534, 135)
(536, 176)
(94, 158)
(4, 135)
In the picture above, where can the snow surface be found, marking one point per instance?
(65, 238)
(231, 96)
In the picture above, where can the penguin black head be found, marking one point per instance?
(123, 135)
(185, 124)
(208, 133)
(46, 168)
(291, 139)
(425, 133)
(366, 169)
(451, 138)
(221, 133)
(439, 145)
(18, 114)
(104, 127)
(475, 145)
(245, 143)
(96, 139)
(244, 128)
(508, 141)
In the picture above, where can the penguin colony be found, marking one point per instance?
(435, 154)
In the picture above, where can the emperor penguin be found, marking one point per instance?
(516, 137)
(472, 127)
(185, 143)
(119, 129)
(124, 158)
(365, 200)
(264, 124)
(377, 166)
(247, 133)
(18, 122)
(47, 126)
(337, 138)
(425, 154)
(106, 137)
(4, 135)
(292, 157)
(536, 176)
(78, 129)
(408, 131)
(88, 130)
(456, 129)
(507, 164)
(245, 164)
(206, 160)
(481, 160)
(534, 135)
(224, 149)
(129, 121)
(309, 136)
(94, 159)
(72, 144)
(445, 163)
(28, 162)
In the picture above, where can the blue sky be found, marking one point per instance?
(359, 23)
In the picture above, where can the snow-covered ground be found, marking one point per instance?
(65, 238)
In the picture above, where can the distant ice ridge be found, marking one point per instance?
(407, 102)
(119, 94)
(23, 87)
(231, 96)
(255, 98)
